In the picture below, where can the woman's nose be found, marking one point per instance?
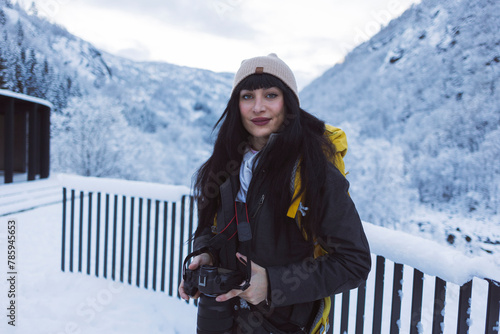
(259, 105)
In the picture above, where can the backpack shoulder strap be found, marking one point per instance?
(339, 139)
(321, 323)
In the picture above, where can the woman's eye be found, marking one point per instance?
(246, 97)
(272, 95)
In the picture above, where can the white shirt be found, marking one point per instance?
(246, 172)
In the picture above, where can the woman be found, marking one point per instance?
(270, 153)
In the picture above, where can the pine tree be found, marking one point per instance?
(7, 64)
(3, 17)
(31, 79)
(20, 33)
(45, 80)
(3, 68)
(19, 79)
(33, 9)
(20, 73)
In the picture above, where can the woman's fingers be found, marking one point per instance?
(242, 258)
(182, 293)
(198, 260)
(254, 294)
(257, 291)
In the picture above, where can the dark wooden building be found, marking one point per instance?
(24, 137)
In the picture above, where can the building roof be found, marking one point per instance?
(4, 92)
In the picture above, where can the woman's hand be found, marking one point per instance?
(257, 291)
(198, 260)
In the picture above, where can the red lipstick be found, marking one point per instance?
(260, 121)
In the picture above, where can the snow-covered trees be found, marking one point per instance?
(88, 141)
(427, 87)
(33, 10)
(3, 18)
(3, 69)
(165, 111)
(379, 185)
(26, 65)
(92, 138)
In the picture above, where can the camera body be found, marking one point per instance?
(213, 317)
(211, 281)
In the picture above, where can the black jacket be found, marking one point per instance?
(296, 279)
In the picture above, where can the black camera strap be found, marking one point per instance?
(244, 230)
(225, 238)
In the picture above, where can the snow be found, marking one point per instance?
(417, 126)
(52, 301)
(447, 263)
(127, 188)
(431, 114)
(22, 196)
(419, 105)
(65, 302)
(24, 97)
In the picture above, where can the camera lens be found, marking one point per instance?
(214, 317)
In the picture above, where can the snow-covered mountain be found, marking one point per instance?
(113, 117)
(420, 103)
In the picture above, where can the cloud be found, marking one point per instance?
(138, 52)
(218, 17)
(217, 34)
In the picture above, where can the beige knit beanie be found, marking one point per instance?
(270, 64)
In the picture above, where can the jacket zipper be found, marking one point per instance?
(261, 201)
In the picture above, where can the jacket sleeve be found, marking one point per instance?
(347, 263)
(202, 240)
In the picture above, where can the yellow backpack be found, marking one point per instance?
(338, 137)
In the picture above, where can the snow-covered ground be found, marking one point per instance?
(51, 301)
(56, 302)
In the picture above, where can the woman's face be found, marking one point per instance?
(262, 113)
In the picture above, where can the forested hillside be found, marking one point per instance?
(420, 102)
(113, 117)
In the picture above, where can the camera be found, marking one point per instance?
(213, 317)
(211, 281)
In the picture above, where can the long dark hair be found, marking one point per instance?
(300, 140)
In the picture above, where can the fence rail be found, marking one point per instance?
(143, 241)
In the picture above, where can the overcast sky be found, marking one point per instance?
(311, 36)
